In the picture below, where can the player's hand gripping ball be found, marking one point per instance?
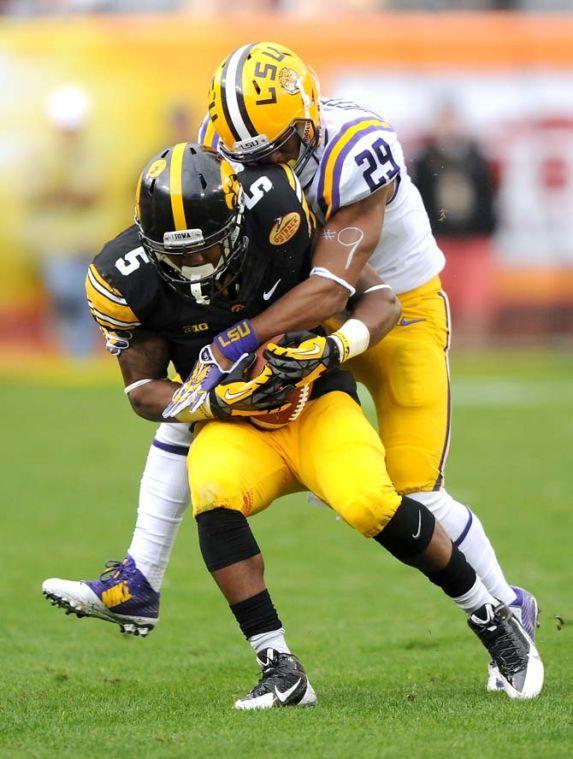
(295, 398)
(301, 357)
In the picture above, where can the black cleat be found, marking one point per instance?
(283, 683)
(511, 649)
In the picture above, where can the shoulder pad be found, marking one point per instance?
(274, 191)
(107, 284)
(361, 157)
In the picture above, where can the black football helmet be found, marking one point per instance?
(189, 199)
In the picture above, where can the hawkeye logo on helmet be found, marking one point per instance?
(182, 238)
(156, 168)
(251, 144)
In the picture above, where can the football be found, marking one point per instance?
(296, 399)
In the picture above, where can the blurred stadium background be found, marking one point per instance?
(481, 93)
(482, 100)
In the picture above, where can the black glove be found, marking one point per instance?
(301, 357)
(238, 396)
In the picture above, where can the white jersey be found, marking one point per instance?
(358, 153)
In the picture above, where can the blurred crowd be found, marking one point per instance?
(64, 7)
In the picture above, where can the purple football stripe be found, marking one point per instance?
(340, 162)
(331, 147)
(180, 450)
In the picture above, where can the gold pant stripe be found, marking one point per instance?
(407, 376)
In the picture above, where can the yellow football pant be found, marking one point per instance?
(406, 374)
(331, 449)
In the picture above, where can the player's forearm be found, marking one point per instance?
(379, 311)
(149, 400)
(375, 304)
(305, 306)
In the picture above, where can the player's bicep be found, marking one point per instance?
(147, 357)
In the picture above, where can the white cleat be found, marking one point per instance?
(519, 665)
(283, 683)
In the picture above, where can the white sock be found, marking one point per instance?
(163, 498)
(476, 596)
(273, 639)
(465, 529)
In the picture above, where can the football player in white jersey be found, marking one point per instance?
(265, 106)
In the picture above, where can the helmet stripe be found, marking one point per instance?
(231, 89)
(176, 185)
(250, 127)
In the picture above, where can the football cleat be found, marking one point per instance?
(526, 610)
(283, 683)
(513, 652)
(122, 595)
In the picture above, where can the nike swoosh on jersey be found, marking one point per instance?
(269, 293)
(283, 695)
(407, 322)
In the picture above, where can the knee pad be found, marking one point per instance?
(409, 532)
(225, 538)
(455, 517)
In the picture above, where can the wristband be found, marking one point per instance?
(352, 339)
(237, 340)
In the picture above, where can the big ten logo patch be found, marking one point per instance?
(193, 328)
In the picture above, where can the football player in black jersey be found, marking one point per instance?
(166, 289)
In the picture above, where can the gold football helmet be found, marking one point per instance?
(261, 95)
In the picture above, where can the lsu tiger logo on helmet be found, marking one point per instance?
(261, 96)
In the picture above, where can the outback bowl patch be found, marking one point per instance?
(284, 228)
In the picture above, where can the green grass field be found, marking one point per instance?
(394, 666)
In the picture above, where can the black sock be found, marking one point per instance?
(456, 578)
(256, 615)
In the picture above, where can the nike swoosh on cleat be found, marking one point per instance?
(416, 534)
(283, 695)
(407, 322)
(269, 293)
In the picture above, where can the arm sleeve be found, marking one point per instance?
(362, 157)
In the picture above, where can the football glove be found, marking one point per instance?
(301, 357)
(193, 392)
(238, 397)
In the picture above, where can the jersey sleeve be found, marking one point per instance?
(207, 135)
(107, 304)
(363, 156)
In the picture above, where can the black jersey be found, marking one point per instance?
(126, 292)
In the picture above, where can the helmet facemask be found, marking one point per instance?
(258, 150)
(204, 282)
